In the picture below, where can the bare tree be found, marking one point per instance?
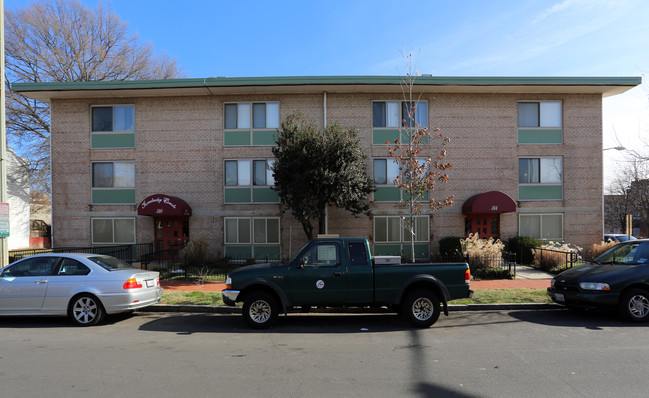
(628, 194)
(420, 170)
(65, 41)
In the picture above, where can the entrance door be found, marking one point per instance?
(485, 225)
(171, 232)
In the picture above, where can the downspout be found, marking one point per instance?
(324, 111)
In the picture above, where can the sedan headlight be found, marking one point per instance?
(228, 283)
(594, 286)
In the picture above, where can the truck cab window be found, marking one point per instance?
(357, 253)
(322, 255)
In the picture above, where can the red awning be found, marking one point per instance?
(163, 205)
(489, 202)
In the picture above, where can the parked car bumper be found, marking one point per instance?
(230, 296)
(115, 303)
(583, 299)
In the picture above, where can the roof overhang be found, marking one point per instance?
(46, 92)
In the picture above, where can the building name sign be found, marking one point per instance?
(158, 200)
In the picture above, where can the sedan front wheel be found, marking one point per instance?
(634, 305)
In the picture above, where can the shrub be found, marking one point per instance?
(555, 255)
(598, 248)
(482, 253)
(450, 246)
(523, 247)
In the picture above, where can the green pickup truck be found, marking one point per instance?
(340, 272)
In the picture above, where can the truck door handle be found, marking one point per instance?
(338, 274)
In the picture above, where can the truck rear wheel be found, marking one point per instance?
(260, 310)
(421, 308)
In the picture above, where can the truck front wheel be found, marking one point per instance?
(421, 308)
(260, 310)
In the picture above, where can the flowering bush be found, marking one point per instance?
(482, 252)
(555, 255)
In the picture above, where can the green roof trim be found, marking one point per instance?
(324, 80)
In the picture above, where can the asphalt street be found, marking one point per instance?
(514, 353)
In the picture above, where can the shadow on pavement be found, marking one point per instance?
(594, 320)
(293, 323)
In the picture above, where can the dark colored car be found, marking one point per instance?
(616, 280)
(618, 237)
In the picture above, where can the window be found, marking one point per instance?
(252, 230)
(541, 226)
(246, 172)
(385, 171)
(258, 115)
(540, 170)
(322, 255)
(396, 114)
(113, 175)
(33, 266)
(113, 231)
(539, 114)
(70, 266)
(113, 118)
(358, 253)
(392, 229)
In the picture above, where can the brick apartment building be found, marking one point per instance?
(170, 160)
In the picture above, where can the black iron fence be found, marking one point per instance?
(505, 262)
(128, 253)
(555, 260)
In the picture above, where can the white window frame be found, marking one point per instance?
(252, 231)
(541, 215)
(540, 171)
(113, 106)
(543, 114)
(114, 242)
(271, 123)
(388, 162)
(402, 234)
(251, 172)
(423, 121)
(92, 174)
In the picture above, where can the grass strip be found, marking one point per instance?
(483, 296)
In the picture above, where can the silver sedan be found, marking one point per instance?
(85, 287)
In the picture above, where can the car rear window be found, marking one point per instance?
(110, 263)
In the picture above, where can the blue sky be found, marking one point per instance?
(451, 38)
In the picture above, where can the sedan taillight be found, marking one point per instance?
(132, 284)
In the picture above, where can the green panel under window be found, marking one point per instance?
(380, 137)
(239, 252)
(237, 195)
(540, 136)
(405, 137)
(234, 138)
(540, 192)
(110, 196)
(267, 253)
(264, 137)
(406, 196)
(421, 250)
(387, 194)
(387, 249)
(264, 195)
(121, 140)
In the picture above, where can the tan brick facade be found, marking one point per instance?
(179, 151)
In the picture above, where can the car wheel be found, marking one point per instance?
(86, 310)
(421, 308)
(634, 305)
(260, 310)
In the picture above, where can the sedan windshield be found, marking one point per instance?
(110, 263)
(631, 253)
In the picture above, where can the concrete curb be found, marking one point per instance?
(223, 309)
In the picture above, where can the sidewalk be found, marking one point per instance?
(526, 278)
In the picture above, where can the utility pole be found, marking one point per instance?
(3, 138)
